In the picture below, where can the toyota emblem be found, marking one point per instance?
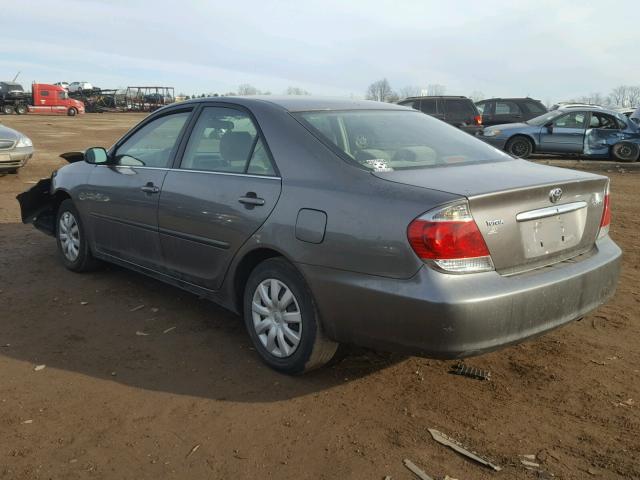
(555, 195)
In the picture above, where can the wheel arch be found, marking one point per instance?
(245, 266)
(532, 140)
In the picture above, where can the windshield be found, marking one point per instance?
(545, 118)
(386, 140)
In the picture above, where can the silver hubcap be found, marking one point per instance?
(277, 319)
(69, 236)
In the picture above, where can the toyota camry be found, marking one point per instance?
(338, 221)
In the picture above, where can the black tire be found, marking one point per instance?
(8, 109)
(21, 109)
(84, 261)
(72, 112)
(519, 146)
(314, 349)
(625, 152)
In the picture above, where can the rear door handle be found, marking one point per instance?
(150, 188)
(251, 198)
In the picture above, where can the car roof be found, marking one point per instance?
(593, 108)
(508, 98)
(418, 97)
(302, 103)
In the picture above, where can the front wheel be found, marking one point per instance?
(72, 240)
(520, 147)
(282, 320)
(625, 151)
(72, 112)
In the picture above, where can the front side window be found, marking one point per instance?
(153, 144)
(226, 140)
(571, 120)
(429, 106)
(384, 140)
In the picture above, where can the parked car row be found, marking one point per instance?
(523, 126)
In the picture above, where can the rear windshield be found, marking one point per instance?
(386, 140)
(460, 108)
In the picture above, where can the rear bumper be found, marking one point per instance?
(15, 158)
(453, 316)
(471, 129)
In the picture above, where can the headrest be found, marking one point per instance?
(235, 146)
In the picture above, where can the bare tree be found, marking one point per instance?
(247, 89)
(476, 96)
(633, 97)
(409, 91)
(618, 96)
(296, 91)
(380, 91)
(436, 89)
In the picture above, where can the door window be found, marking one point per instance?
(410, 104)
(226, 140)
(153, 144)
(571, 120)
(429, 106)
(507, 108)
(536, 108)
(600, 120)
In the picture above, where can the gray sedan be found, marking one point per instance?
(15, 150)
(334, 221)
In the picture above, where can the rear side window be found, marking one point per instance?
(459, 108)
(429, 105)
(536, 108)
(507, 108)
(226, 140)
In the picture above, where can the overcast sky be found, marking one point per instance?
(546, 49)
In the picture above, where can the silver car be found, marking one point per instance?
(336, 221)
(15, 150)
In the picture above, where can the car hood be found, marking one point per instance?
(510, 126)
(7, 133)
(484, 178)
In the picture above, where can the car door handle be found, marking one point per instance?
(251, 198)
(150, 188)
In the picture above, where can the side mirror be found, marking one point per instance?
(549, 127)
(96, 156)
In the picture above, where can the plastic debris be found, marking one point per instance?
(169, 329)
(471, 372)
(416, 470)
(135, 309)
(142, 334)
(193, 450)
(37, 368)
(27, 422)
(84, 303)
(451, 443)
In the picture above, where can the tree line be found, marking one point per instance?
(246, 89)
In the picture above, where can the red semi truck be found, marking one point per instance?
(44, 99)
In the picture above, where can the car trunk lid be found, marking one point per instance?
(530, 215)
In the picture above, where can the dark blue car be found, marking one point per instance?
(590, 131)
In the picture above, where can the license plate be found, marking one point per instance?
(549, 235)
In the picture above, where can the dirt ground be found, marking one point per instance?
(173, 389)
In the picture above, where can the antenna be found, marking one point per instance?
(16, 77)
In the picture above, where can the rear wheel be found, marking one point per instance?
(7, 109)
(72, 112)
(282, 320)
(625, 151)
(21, 109)
(72, 239)
(520, 147)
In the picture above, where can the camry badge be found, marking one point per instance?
(555, 194)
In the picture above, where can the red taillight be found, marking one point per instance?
(606, 216)
(446, 240)
(451, 239)
(478, 119)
